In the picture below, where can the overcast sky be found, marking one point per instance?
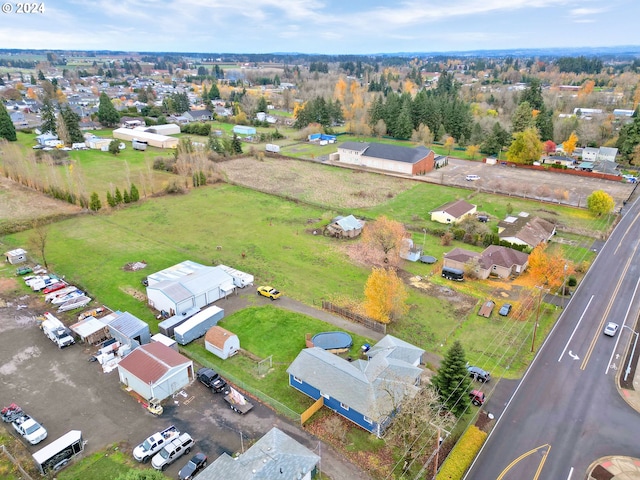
(321, 26)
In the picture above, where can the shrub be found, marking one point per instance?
(462, 455)
(166, 164)
(572, 282)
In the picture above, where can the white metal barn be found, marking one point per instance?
(221, 342)
(186, 285)
(155, 371)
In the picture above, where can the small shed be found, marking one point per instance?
(486, 309)
(129, 330)
(91, 330)
(16, 256)
(221, 342)
(244, 130)
(155, 371)
(163, 339)
(345, 227)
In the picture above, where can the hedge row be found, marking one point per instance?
(462, 455)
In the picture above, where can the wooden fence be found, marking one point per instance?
(355, 317)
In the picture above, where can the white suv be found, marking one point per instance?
(172, 451)
(472, 178)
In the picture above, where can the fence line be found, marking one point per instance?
(4, 450)
(361, 319)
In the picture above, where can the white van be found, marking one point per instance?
(472, 178)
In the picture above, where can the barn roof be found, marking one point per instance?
(127, 324)
(216, 336)
(388, 152)
(152, 361)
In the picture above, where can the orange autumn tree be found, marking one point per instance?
(548, 269)
(385, 236)
(570, 144)
(385, 295)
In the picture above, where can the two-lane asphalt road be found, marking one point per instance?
(566, 411)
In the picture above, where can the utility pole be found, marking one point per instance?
(535, 325)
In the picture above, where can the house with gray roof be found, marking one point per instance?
(453, 212)
(187, 285)
(347, 227)
(391, 158)
(525, 230)
(366, 392)
(198, 115)
(495, 260)
(127, 329)
(275, 455)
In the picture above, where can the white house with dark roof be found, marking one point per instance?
(453, 212)
(367, 392)
(526, 230)
(392, 158)
(275, 455)
(187, 285)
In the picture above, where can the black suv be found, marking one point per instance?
(479, 374)
(211, 379)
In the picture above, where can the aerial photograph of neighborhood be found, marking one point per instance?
(296, 240)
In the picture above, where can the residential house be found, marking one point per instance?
(155, 371)
(567, 162)
(494, 260)
(453, 212)
(345, 227)
(366, 392)
(526, 230)
(391, 158)
(275, 455)
(198, 115)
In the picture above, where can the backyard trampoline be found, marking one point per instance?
(336, 342)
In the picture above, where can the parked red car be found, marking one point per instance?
(54, 287)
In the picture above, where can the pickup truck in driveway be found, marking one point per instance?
(31, 430)
(154, 444)
(210, 378)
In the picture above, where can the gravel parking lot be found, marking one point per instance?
(64, 391)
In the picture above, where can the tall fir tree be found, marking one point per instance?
(61, 127)
(7, 128)
(72, 122)
(107, 113)
(452, 381)
(135, 194)
(236, 144)
(95, 204)
(48, 116)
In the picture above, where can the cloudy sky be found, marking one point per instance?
(321, 26)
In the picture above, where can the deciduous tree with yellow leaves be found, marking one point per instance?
(386, 236)
(385, 295)
(548, 269)
(570, 144)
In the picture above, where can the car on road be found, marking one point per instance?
(478, 374)
(505, 309)
(193, 466)
(269, 292)
(472, 178)
(611, 329)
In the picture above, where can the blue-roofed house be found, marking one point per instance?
(392, 158)
(182, 287)
(127, 329)
(348, 227)
(275, 455)
(367, 392)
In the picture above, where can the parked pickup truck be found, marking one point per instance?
(211, 379)
(172, 451)
(154, 444)
(237, 401)
(31, 430)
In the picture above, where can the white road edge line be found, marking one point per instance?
(566, 345)
(626, 315)
(570, 474)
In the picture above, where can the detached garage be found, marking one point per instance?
(221, 342)
(155, 371)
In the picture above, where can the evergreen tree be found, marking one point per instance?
(125, 197)
(522, 118)
(48, 116)
(134, 195)
(72, 123)
(107, 113)
(404, 126)
(95, 204)
(118, 196)
(111, 201)
(629, 137)
(544, 124)
(236, 144)
(63, 134)
(533, 95)
(114, 146)
(441, 133)
(40, 75)
(205, 93)
(214, 144)
(262, 105)
(452, 381)
(214, 92)
(7, 129)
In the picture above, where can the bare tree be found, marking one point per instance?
(38, 240)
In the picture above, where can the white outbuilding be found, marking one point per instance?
(221, 342)
(16, 256)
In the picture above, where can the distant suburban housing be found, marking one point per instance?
(187, 286)
(155, 371)
(494, 260)
(526, 230)
(392, 158)
(348, 227)
(453, 212)
(221, 342)
(366, 392)
(276, 455)
(198, 115)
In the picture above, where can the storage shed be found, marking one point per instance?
(187, 285)
(198, 325)
(16, 256)
(163, 339)
(244, 130)
(91, 330)
(155, 371)
(167, 326)
(129, 330)
(221, 342)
